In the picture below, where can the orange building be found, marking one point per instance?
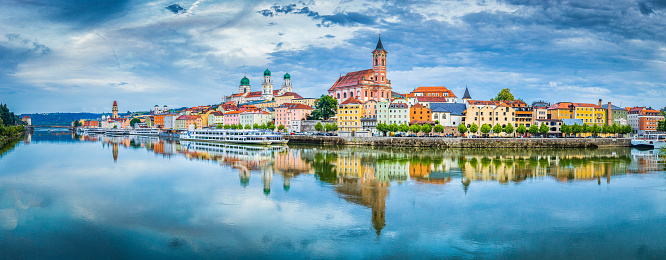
(419, 114)
(91, 123)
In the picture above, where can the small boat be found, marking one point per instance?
(234, 136)
(655, 141)
(145, 131)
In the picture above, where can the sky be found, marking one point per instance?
(81, 55)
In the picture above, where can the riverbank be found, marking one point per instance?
(6, 139)
(444, 142)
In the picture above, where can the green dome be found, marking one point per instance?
(267, 72)
(245, 81)
(287, 76)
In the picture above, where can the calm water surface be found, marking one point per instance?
(71, 197)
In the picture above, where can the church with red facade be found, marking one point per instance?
(364, 85)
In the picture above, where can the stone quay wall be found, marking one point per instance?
(463, 142)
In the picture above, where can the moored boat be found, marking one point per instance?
(655, 141)
(234, 136)
(145, 131)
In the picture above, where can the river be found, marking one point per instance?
(64, 196)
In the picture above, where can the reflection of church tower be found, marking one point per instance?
(267, 178)
(379, 207)
(267, 86)
(244, 86)
(115, 152)
(244, 175)
(115, 110)
(287, 183)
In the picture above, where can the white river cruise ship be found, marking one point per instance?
(234, 136)
(145, 131)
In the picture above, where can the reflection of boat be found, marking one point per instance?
(246, 152)
(145, 131)
(233, 136)
(649, 140)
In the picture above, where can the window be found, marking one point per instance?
(344, 95)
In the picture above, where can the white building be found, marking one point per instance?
(393, 112)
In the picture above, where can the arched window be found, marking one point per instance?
(338, 95)
(344, 95)
(358, 93)
(351, 94)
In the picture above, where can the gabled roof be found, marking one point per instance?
(351, 78)
(351, 101)
(217, 113)
(432, 99)
(453, 108)
(432, 89)
(613, 107)
(295, 106)
(294, 94)
(186, 117)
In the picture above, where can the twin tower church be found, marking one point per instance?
(364, 85)
(267, 93)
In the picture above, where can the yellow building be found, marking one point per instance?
(305, 101)
(349, 115)
(489, 112)
(591, 114)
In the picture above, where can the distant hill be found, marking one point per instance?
(63, 119)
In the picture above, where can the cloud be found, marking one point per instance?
(175, 8)
(79, 13)
(645, 9)
(338, 18)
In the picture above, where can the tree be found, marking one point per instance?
(626, 129)
(248, 126)
(661, 126)
(543, 129)
(485, 129)
(404, 127)
(509, 129)
(381, 127)
(438, 128)
(393, 127)
(319, 127)
(521, 129)
(474, 128)
(415, 128)
(77, 123)
(576, 129)
(134, 121)
(281, 127)
(255, 126)
(504, 94)
(462, 129)
(533, 129)
(565, 129)
(497, 129)
(426, 128)
(436, 122)
(325, 107)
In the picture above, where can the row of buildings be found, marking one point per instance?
(366, 99)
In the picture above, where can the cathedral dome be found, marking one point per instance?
(267, 72)
(245, 81)
(287, 76)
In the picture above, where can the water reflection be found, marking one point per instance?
(346, 200)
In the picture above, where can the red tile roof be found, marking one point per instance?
(351, 101)
(294, 94)
(186, 117)
(432, 89)
(432, 99)
(351, 78)
(295, 106)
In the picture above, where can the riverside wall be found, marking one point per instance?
(443, 142)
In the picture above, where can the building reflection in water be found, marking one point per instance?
(364, 175)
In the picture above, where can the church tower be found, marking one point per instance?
(244, 86)
(286, 86)
(115, 110)
(267, 86)
(379, 63)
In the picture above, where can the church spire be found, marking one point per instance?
(380, 46)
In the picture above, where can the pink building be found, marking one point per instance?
(287, 112)
(232, 118)
(370, 109)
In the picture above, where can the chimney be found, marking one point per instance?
(608, 114)
(600, 102)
